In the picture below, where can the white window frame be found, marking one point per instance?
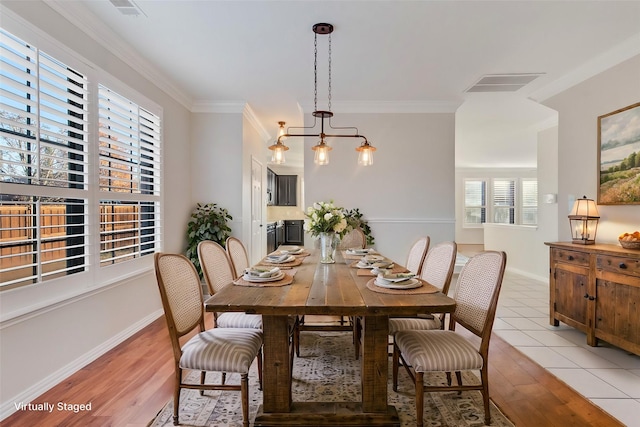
(489, 200)
(485, 206)
(27, 298)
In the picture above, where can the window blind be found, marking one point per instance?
(504, 201)
(43, 151)
(475, 196)
(529, 202)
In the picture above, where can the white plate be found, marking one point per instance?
(291, 251)
(361, 264)
(407, 284)
(396, 277)
(275, 261)
(359, 251)
(256, 279)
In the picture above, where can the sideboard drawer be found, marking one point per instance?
(621, 265)
(570, 257)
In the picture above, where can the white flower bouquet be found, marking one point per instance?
(325, 217)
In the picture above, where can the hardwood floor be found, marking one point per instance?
(131, 383)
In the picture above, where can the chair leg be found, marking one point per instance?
(296, 336)
(448, 374)
(396, 363)
(244, 391)
(419, 399)
(176, 396)
(224, 378)
(356, 335)
(484, 376)
(259, 369)
(459, 377)
(203, 376)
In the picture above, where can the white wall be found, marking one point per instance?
(48, 342)
(579, 108)
(407, 192)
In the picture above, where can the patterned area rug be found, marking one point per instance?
(328, 372)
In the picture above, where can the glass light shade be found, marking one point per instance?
(278, 150)
(277, 156)
(322, 153)
(583, 220)
(365, 154)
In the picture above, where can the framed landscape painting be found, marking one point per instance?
(619, 157)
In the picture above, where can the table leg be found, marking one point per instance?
(276, 366)
(375, 333)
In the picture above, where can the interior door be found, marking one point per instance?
(257, 202)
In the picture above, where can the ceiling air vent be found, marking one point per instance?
(503, 82)
(127, 7)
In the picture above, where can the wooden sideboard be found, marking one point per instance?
(596, 289)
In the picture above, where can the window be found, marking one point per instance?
(475, 201)
(47, 178)
(512, 201)
(504, 201)
(129, 165)
(529, 202)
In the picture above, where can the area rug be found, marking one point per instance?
(327, 371)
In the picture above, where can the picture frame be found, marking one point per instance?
(619, 157)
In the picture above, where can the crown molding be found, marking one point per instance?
(389, 107)
(250, 115)
(230, 107)
(614, 56)
(87, 22)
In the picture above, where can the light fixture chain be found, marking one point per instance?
(329, 72)
(315, 72)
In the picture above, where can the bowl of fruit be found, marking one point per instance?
(630, 240)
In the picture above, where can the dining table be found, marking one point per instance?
(333, 289)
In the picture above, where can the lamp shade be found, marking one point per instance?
(365, 154)
(583, 220)
(321, 156)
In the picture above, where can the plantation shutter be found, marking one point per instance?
(504, 201)
(475, 202)
(529, 202)
(43, 155)
(130, 160)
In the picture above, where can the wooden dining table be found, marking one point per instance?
(326, 289)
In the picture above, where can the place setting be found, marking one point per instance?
(357, 253)
(260, 276)
(404, 282)
(296, 251)
(281, 260)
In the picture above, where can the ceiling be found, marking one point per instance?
(386, 55)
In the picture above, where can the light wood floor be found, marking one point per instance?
(130, 384)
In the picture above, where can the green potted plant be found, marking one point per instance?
(354, 220)
(208, 222)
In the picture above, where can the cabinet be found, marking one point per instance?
(293, 232)
(271, 237)
(271, 187)
(287, 186)
(596, 289)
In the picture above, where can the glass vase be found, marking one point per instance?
(328, 245)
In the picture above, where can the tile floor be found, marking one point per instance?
(606, 375)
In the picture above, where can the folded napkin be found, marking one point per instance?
(395, 277)
(262, 272)
(277, 258)
(360, 251)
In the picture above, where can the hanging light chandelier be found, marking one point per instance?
(321, 149)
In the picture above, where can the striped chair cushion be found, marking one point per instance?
(413, 323)
(239, 320)
(222, 350)
(441, 351)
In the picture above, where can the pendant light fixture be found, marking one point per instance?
(321, 149)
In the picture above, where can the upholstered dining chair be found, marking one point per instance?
(218, 273)
(417, 254)
(212, 350)
(238, 256)
(355, 238)
(476, 297)
(437, 270)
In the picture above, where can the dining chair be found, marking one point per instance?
(355, 238)
(476, 298)
(417, 254)
(218, 273)
(212, 350)
(238, 256)
(437, 270)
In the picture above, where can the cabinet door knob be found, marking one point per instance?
(570, 257)
(592, 298)
(586, 295)
(622, 265)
